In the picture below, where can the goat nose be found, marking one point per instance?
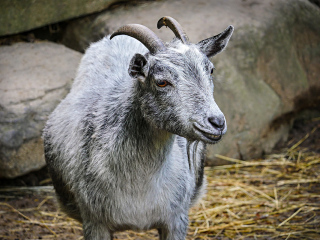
(217, 122)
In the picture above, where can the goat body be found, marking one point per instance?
(125, 149)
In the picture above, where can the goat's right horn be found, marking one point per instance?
(175, 28)
(142, 34)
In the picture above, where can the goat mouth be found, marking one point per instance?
(212, 137)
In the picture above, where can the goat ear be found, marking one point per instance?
(137, 66)
(214, 45)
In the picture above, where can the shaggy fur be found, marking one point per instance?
(124, 153)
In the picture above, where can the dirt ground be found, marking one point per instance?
(28, 209)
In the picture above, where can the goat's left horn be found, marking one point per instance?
(175, 28)
(142, 34)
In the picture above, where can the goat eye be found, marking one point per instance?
(162, 83)
(211, 70)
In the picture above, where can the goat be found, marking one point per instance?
(125, 148)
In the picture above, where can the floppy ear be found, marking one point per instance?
(214, 45)
(136, 67)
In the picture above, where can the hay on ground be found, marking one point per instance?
(273, 198)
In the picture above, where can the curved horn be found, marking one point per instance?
(142, 34)
(175, 28)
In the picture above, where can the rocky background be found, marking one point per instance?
(267, 77)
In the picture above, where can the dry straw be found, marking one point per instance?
(273, 198)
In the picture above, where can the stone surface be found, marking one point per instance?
(19, 16)
(200, 19)
(268, 73)
(34, 78)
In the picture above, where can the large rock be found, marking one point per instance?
(273, 75)
(268, 74)
(19, 16)
(34, 78)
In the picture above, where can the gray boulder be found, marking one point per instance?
(273, 75)
(19, 16)
(34, 78)
(268, 74)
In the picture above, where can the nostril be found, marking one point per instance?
(217, 122)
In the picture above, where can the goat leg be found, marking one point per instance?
(177, 230)
(96, 231)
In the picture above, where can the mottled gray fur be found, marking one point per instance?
(125, 153)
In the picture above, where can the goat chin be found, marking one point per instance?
(116, 147)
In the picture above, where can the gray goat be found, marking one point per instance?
(125, 148)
